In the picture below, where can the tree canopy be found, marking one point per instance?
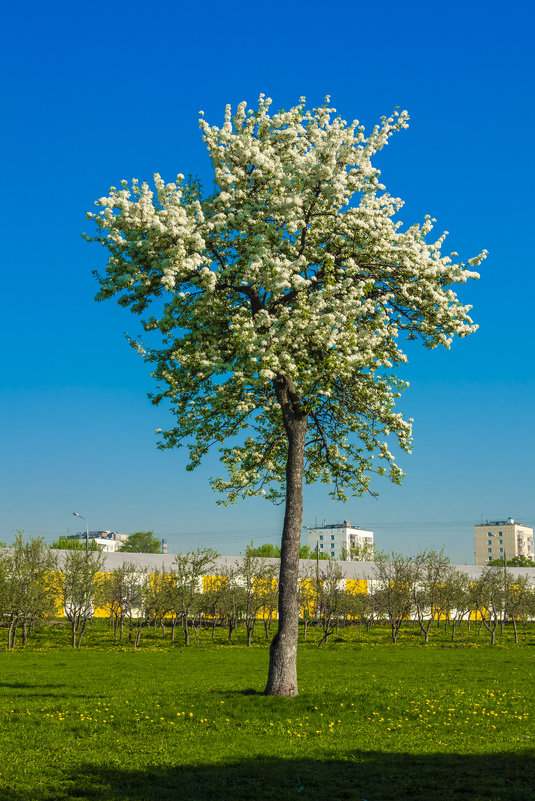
(75, 544)
(516, 561)
(142, 542)
(270, 551)
(279, 304)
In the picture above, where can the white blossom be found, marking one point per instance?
(296, 268)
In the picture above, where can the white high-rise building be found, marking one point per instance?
(336, 540)
(497, 538)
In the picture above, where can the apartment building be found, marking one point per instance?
(502, 538)
(109, 541)
(336, 539)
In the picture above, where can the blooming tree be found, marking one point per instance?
(280, 302)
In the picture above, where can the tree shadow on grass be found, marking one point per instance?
(361, 776)
(29, 690)
(26, 685)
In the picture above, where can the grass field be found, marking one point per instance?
(373, 722)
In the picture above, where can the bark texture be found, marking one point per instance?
(282, 675)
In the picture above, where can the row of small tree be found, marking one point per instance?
(27, 591)
(189, 595)
(36, 584)
(136, 597)
(426, 591)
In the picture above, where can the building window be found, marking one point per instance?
(501, 550)
(490, 542)
(321, 546)
(321, 536)
(490, 549)
(490, 558)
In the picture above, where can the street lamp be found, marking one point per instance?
(75, 514)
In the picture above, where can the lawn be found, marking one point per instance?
(372, 722)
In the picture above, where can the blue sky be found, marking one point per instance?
(96, 93)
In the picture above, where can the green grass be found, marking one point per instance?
(371, 722)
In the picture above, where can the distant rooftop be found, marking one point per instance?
(101, 535)
(344, 524)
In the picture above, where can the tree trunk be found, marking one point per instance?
(81, 632)
(282, 674)
(325, 638)
(11, 634)
(515, 630)
(394, 632)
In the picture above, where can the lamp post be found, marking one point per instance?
(75, 514)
